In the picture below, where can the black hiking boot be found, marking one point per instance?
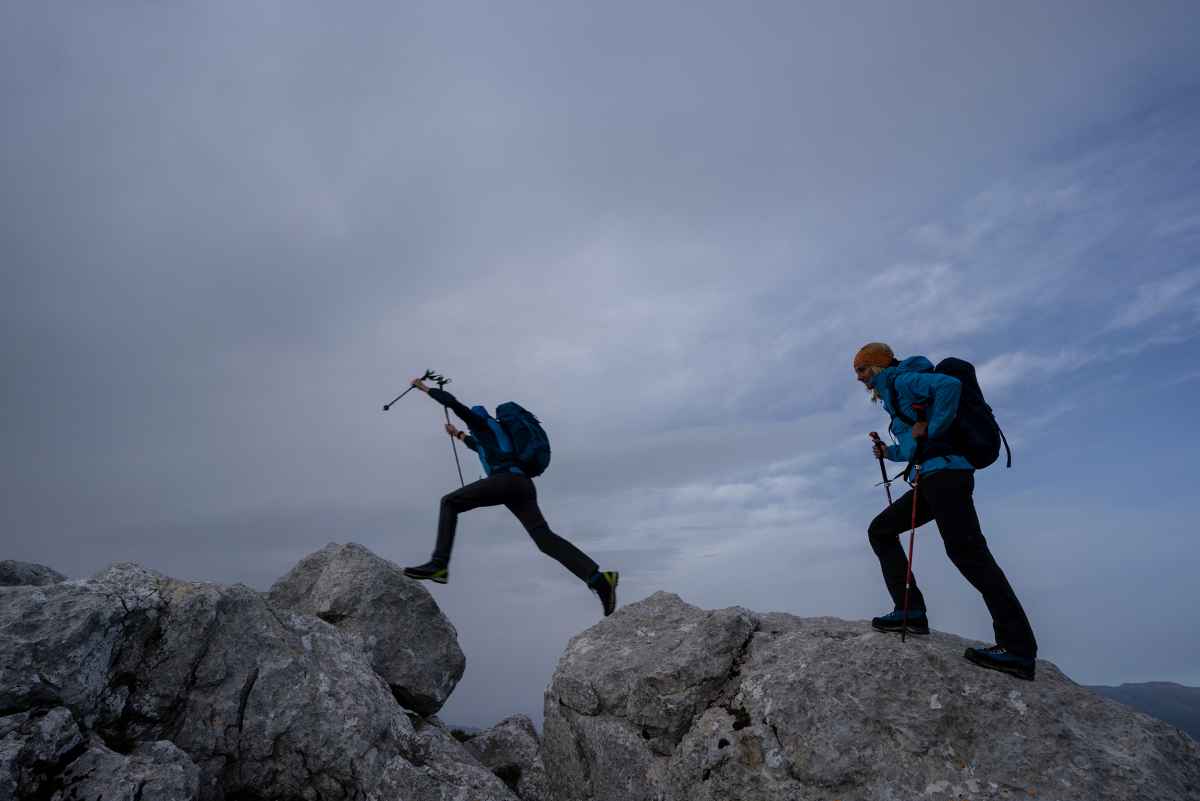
(604, 584)
(893, 621)
(430, 571)
(997, 658)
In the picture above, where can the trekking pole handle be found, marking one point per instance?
(887, 485)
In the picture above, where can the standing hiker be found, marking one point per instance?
(923, 405)
(508, 483)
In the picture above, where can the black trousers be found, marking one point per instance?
(945, 497)
(520, 496)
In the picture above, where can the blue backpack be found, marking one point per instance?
(529, 439)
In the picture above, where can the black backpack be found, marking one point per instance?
(974, 434)
(529, 439)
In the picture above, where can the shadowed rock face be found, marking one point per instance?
(664, 701)
(208, 692)
(513, 751)
(18, 574)
(408, 640)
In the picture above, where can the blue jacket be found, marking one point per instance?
(487, 438)
(915, 382)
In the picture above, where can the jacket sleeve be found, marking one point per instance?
(941, 392)
(471, 442)
(464, 413)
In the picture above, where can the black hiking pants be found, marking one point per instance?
(945, 497)
(520, 496)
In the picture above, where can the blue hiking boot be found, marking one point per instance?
(430, 571)
(893, 621)
(604, 584)
(997, 658)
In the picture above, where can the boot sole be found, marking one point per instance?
(924, 632)
(435, 579)
(1020, 672)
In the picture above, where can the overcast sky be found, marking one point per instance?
(229, 232)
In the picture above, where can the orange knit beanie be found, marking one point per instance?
(875, 354)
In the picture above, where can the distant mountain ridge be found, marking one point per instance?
(1172, 703)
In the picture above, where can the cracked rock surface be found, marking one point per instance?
(134, 682)
(513, 751)
(410, 643)
(663, 701)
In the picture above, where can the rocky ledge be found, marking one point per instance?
(133, 686)
(667, 702)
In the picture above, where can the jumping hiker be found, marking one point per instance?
(922, 405)
(507, 483)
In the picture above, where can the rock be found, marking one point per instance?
(156, 770)
(34, 747)
(666, 701)
(513, 751)
(264, 702)
(439, 768)
(16, 574)
(411, 644)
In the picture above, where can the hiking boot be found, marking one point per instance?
(604, 584)
(430, 571)
(997, 658)
(918, 623)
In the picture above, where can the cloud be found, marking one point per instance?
(1009, 369)
(1158, 298)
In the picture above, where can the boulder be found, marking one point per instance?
(665, 701)
(34, 748)
(18, 574)
(513, 751)
(263, 702)
(408, 640)
(156, 770)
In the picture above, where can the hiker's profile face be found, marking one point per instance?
(866, 373)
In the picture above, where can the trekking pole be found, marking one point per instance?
(442, 381)
(887, 485)
(427, 376)
(912, 541)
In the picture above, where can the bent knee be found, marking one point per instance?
(879, 532)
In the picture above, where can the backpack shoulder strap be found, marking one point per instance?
(893, 401)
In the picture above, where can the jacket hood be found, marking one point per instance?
(481, 411)
(913, 364)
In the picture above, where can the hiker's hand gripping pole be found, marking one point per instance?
(887, 484)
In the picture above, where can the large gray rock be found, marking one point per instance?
(666, 702)
(157, 770)
(34, 748)
(410, 643)
(264, 702)
(513, 751)
(17, 574)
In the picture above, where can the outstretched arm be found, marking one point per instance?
(449, 401)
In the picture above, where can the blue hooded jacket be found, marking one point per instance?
(915, 382)
(487, 438)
